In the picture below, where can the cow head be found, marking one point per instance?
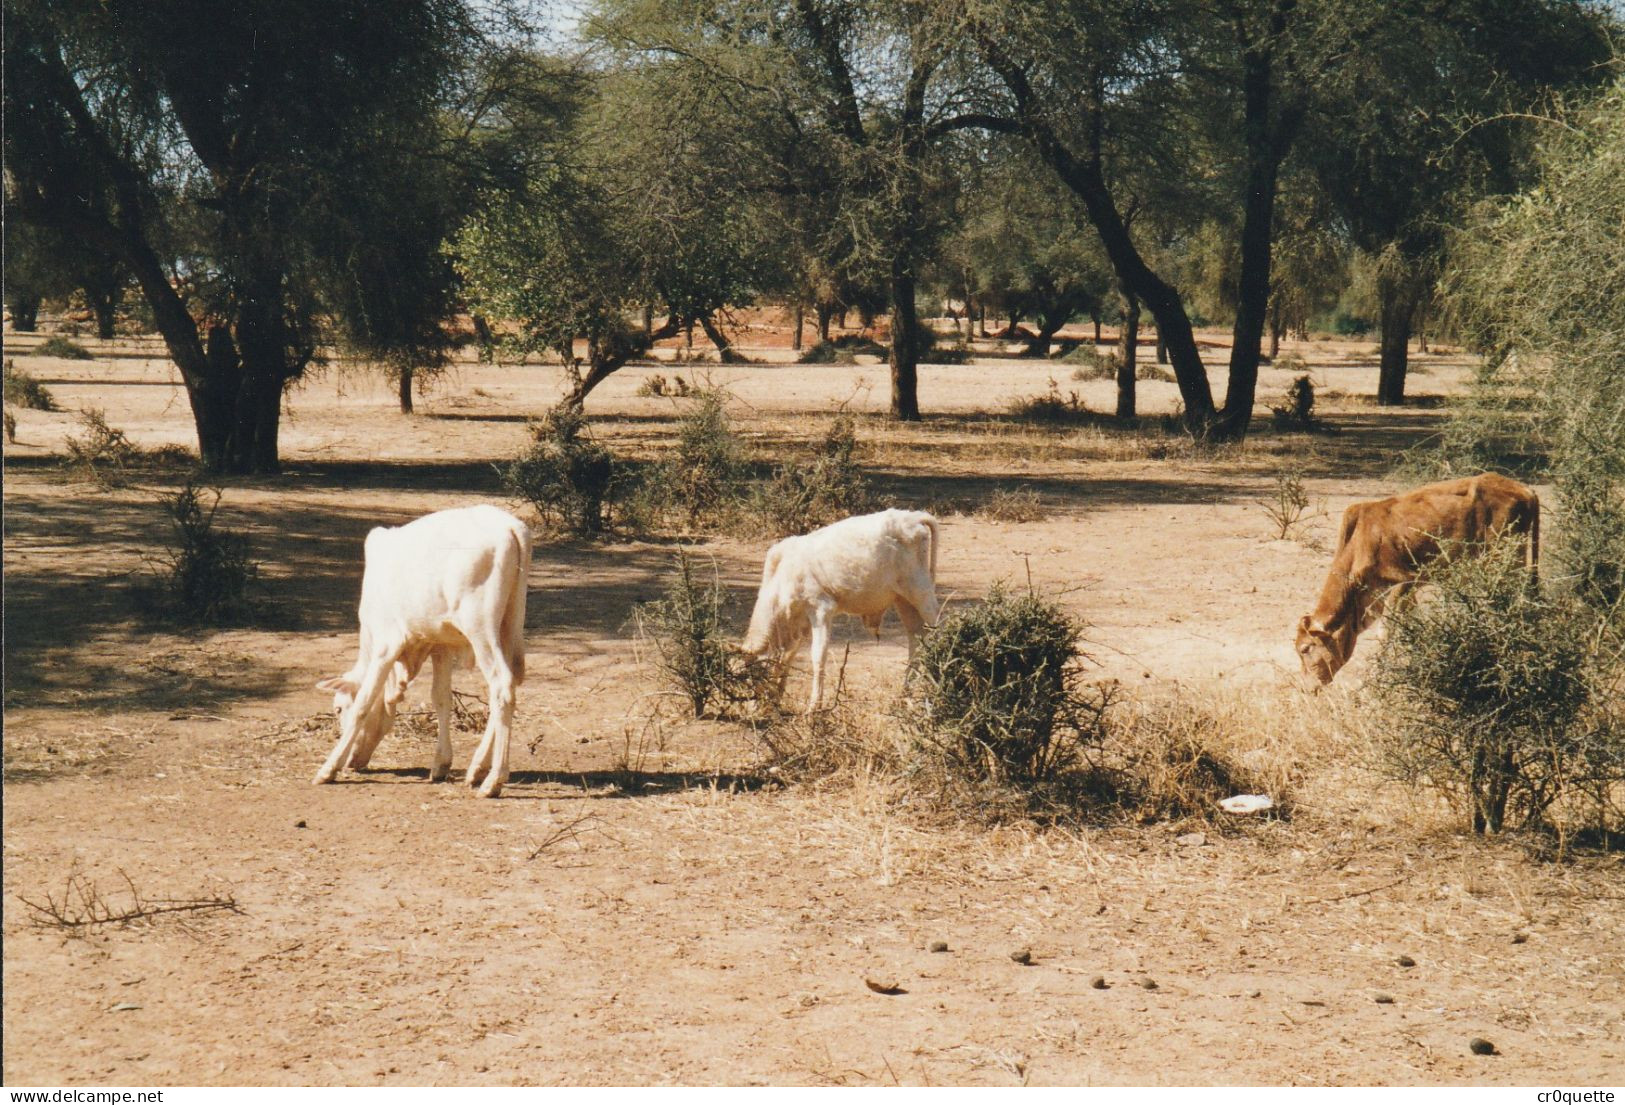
(1319, 650)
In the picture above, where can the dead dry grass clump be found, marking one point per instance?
(1014, 505)
(1050, 409)
(1176, 758)
(102, 455)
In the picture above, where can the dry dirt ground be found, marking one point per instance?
(643, 904)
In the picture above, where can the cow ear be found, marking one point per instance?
(1303, 624)
(337, 683)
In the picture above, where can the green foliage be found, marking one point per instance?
(565, 475)
(691, 648)
(1286, 503)
(23, 390)
(63, 348)
(999, 696)
(1500, 696)
(805, 495)
(209, 569)
(706, 475)
(1538, 281)
(1296, 411)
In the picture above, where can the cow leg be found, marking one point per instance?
(491, 758)
(366, 702)
(444, 661)
(913, 624)
(820, 648)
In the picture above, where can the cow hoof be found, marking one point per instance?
(322, 777)
(492, 789)
(438, 774)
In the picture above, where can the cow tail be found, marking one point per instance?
(513, 624)
(931, 526)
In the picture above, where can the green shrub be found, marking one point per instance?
(803, 496)
(1345, 325)
(999, 692)
(23, 390)
(826, 352)
(1500, 696)
(691, 649)
(1092, 363)
(1296, 411)
(103, 455)
(209, 568)
(64, 349)
(706, 474)
(566, 476)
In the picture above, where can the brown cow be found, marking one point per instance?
(1382, 547)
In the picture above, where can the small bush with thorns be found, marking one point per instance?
(804, 496)
(568, 478)
(1296, 412)
(999, 692)
(102, 455)
(209, 568)
(691, 649)
(657, 386)
(1287, 504)
(23, 390)
(1505, 697)
(63, 349)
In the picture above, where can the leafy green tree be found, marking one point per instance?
(283, 134)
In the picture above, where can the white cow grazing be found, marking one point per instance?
(451, 586)
(862, 566)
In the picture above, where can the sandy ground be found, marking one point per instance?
(642, 906)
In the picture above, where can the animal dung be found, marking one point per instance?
(1383, 999)
(939, 946)
(1405, 961)
(1247, 803)
(1024, 956)
(1148, 983)
(1480, 1046)
(1099, 983)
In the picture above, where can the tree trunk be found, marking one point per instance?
(648, 322)
(1266, 148)
(1048, 328)
(981, 321)
(1128, 345)
(1277, 330)
(801, 313)
(25, 314)
(482, 331)
(1421, 328)
(904, 357)
(1162, 349)
(725, 349)
(1095, 318)
(1397, 309)
(403, 386)
(825, 315)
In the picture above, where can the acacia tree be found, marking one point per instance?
(1397, 144)
(1022, 243)
(275, 128)
(849, 101)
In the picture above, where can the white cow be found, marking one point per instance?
(451, 586)
(862, 566)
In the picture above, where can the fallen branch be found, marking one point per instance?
(1355, 893)
(82, 906)
(563, 832)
